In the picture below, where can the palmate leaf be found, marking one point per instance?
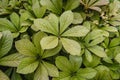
(3, 76)
(27, 65)
(5, 43)
(71, 46)
(49, 42)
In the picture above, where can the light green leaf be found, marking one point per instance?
(76, 62)
(88, 55)
(114, 42)
(51, 69)
(95, 61)
(71, 46)
(97, 50)
(77, 18)
(65, 20)
(110, 29)
(3, 76)
(12, 60)
(44, 25)
(38, 10)
(71, 4)
(76, 31)
(52, 52)
(0, 35)
(14, 17)
(54, 21)
(53, 5)
(27, 65)
(24, 46)
(87, 73)
(36, 40)
(64, 66)
(6, 25)
(117, 58)
(41, 73)
(5, 43)
(49, 42)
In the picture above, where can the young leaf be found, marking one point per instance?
(27, 65)
(3, 76)
(44, 25)
(99, 51)
(6, 25)
(77, 31)
(64, 66)
(76, 62)
(12, 60)
(49, 42)
(41, 73)
(71, 46)
(87, 73)
(51, 69)
(71, 4)
(24, 46)
(14, 17)
(5, 43)
(65, 20)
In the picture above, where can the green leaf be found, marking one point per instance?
(65, 20)
(95, 61)
(71, 4)
(6, 25)
(36, 40)
(97, 50)
(5, 43)
(24, 46)
(51, 69)
(114, 42)
(41, 73)
(77, 18)
(44, 25)
(64, 66)
(0, 35)
(38, 11)
(12, 60)
(87, 73)
(71, 46)
(49, 42)
(76, 62)
(3, 76)
(16, 76)
(88, 55)
(76, 31)
(14, 17)
(53, 5)
(54, 21)
(27, 65)
(110, 29)
(117, 58)
(52, 52)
